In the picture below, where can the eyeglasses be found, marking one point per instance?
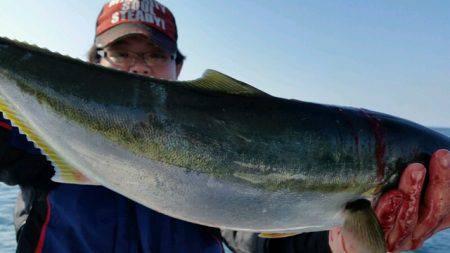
(125, 58)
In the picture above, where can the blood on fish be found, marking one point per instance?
(80, 177)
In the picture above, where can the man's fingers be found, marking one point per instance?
(435, 211)
(387, 210)
(411, 184)
(445, 224)
(335, 239)
(344, 241)
(418, 242)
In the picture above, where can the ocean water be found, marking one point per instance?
(7, 200)
(439, 243)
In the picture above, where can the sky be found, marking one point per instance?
(387, 56)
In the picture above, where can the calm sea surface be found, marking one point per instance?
(439, 243)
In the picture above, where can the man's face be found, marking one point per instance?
(130, 54)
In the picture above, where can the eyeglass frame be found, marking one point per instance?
(103, 53)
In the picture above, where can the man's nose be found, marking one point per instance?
(141, 68)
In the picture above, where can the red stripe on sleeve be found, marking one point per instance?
(40, 245)
(6, 126)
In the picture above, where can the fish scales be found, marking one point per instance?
(231, 157)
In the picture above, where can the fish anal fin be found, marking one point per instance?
(362, 223)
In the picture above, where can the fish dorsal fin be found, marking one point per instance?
(215, 81)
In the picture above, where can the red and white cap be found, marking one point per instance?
(122, 18)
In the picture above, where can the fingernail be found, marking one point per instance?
(445, 161)
(417, 175)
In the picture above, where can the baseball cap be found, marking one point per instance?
(121, 18)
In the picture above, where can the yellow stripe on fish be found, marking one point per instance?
(67, 173)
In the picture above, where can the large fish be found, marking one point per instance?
(213, 151)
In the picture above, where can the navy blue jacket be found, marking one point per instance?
(95, 219)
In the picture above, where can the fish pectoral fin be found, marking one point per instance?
(215, 81)
(362, 223)
(276, 235)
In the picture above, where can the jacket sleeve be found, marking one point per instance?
(20, 162)
(246, 242)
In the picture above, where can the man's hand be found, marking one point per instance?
(406, 219)
(405, 225)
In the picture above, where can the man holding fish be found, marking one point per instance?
(141, 37)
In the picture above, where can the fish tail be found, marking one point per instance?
(362, 223)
